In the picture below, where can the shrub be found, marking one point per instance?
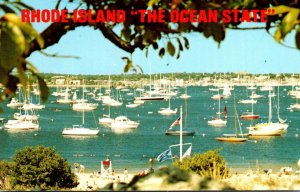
(40, 167)
(210, 163)
(5, 174)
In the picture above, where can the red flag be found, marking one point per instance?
(176, 122)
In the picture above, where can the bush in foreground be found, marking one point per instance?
(40, 168)
(210, 163)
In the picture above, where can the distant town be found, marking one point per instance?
(179, 79)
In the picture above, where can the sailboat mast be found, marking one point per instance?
(219, 113)
(180, 150)
(169, 96)
(270, 107)
(83, 117)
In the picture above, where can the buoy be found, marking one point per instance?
(103, 134)
(35, 134)
(203, 134)
(296, 135)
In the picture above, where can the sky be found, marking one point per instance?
(252, 51)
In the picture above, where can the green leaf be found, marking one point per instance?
(28, 31)
(161, 52)
(180, 47)
(278, 35)
(171, 49)
(289, 21)
(186, 43)
(12, 83)
(3, 76)
(44, 91)
(128, 66)
(218, 32)
(155, 45)
(297, 38)
(22, 78)
(281, 9)
(12, 39)
(152, 2)
(178, 55)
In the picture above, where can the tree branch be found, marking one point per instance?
(56, 31)
(58, 56)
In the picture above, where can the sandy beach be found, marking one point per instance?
(248, 180)
(94, 181)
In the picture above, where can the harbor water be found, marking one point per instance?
(133, 149)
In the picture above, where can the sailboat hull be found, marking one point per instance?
(249, 117)
(177, 132)
(231, 139)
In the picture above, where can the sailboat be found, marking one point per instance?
(249, 114)
(269, 128)
(226, 92)
(233, 137)
(168, 153)
(80, 130)
(168, 111)
(170, 131)
(106, 119)
(65, 97)
(185, 95)
(218, 121)
(82, 104)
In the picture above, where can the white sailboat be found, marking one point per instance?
(82, 105)
(185, 95)
(226, 92)
(65, 97)
(218, 122)
(80, 130)
(168, 111)
(106, 119)
(269, 128)
(14, 103)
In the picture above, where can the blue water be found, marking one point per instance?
(132, 150)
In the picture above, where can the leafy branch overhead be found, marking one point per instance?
(15, 38)
(164, 37)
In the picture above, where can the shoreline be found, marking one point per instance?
(246, 179)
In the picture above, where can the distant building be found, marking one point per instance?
(60, 81)
(74, 82)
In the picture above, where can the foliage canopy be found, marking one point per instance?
(210, 163)
(41, 167)
(166, 37)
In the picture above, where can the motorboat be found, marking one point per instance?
(21, 125)
(132, 105)
(217, 122)
(248, 101)
(14, 103)
(123, 122)
(80, 131)
(268, 129)
(84, 106)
